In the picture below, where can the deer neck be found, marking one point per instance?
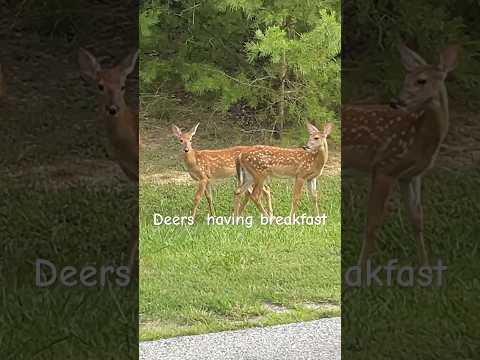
(190, 158)
(319, 156)
(437, 113)
(443, 98)
(114, 123)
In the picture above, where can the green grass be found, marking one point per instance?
(75, 227)
(201, 278)
(417, 323)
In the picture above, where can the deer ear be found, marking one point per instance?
(88, 64)
(312, 129)
(128, 63)
(176, 131)
(194, 129)
(410, 59)
(327, 129)
(449, 58)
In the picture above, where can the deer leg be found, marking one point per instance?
(255, 196)
(244, 203)
(243, 188)
(202, 186)
(208, 195)
(246, 187)
(380, 191)
(412, 198)
(312, 190)
(248, 195)
(268, 195)
(297, 192)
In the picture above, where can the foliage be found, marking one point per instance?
(277, 58)
(372, 29)
(54, 18)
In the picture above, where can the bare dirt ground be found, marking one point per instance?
(461, 150)
(71, 173)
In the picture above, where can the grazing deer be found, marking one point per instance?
(120, 120)
(399, 142)
(206, 166)
(305, 164)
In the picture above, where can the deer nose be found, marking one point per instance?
(306, 147)
(393, 103)
(112, 109)
(396, 103)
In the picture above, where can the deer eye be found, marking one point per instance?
(421, 81)
(316, 137)
(100, 87)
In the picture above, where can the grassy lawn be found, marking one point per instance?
(417, 323)
(74, 227)
(205, 278)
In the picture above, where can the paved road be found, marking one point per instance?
(313, 340)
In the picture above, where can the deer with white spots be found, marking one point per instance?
(208, 166)
(121, 122)
(399, 142)
(304, 164)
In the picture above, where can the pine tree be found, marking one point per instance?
(280, 58)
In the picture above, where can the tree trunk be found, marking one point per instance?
(279, 126)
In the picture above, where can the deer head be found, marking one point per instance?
(185, 137)
(110, 82)
(317, 140)
(423, 82)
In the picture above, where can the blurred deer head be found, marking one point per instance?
(423, 82)
(110, 82)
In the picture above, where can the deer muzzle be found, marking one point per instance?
(397, 103)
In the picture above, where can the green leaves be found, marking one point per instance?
(148, 22)
(304, 61)
(373, 30)
(279, 56)
(273, 43)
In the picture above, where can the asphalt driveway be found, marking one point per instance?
(313, 340)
